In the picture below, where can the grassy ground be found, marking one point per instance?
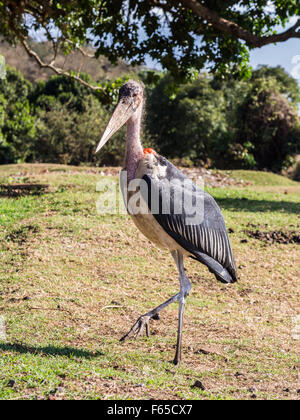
(72, 282)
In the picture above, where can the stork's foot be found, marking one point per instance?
(143, 321)
(138, 327)
(177, 358)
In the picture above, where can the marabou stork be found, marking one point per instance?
(206, 241)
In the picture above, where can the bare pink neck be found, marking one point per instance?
(134, 149)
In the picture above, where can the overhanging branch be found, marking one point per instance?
(231, 28)
(58, 70)
(46, 10)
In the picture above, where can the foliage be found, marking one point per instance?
(286, 84)
(196, 103)
(66, 90)
(270, 125)
(182, 35)
(224, 124)
(231, 124)
(16, 122)
(296, 172)
(62, 90)
(240, 149)
(68, 135)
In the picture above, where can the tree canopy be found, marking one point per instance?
(231, 124)
(183, 35)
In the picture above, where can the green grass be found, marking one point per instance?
(72, 282)
(260, 178)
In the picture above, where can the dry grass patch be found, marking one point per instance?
(73, 282)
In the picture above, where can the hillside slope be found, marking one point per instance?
(98, 69)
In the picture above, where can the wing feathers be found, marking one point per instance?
(208, 241)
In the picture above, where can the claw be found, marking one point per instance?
(138, 327)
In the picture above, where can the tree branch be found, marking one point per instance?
(58, 70)
(80, 49)
(231, 28)
(85, 54)
(46, 10)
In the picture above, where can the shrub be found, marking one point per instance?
(69, 137)
(268, 122)
(17, 123)
(189, 126)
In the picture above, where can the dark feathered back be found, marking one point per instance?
(207, 241)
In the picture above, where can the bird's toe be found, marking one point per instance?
(138, 328)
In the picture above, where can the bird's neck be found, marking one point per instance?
(134, 149)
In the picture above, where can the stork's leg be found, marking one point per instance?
(185, 287)
(143, 321)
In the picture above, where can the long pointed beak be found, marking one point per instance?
(120, 116)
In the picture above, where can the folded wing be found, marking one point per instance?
(198, 226)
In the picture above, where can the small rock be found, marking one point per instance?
(11, 383)
(198, 384)
(53, 391)
(202, 351)
(114, 302)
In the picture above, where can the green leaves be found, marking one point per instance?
(18, 129)
(2, 67)
(227, 124)
(189, 125)
(269, 123)
(168, 32)
(206, 121)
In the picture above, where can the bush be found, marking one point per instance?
(69, 137)
(296, 172)
(269, 123)
(225, 124)
(17, 124)
(191, 125)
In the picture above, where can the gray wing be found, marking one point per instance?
(198, 226)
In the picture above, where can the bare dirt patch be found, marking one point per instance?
(20, 235)
(20, 190)
(276, 236)
(213, 178)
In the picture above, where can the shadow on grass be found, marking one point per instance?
(248, 205)
(21, 190)
(69, 352)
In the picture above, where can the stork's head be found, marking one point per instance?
(131, 97)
